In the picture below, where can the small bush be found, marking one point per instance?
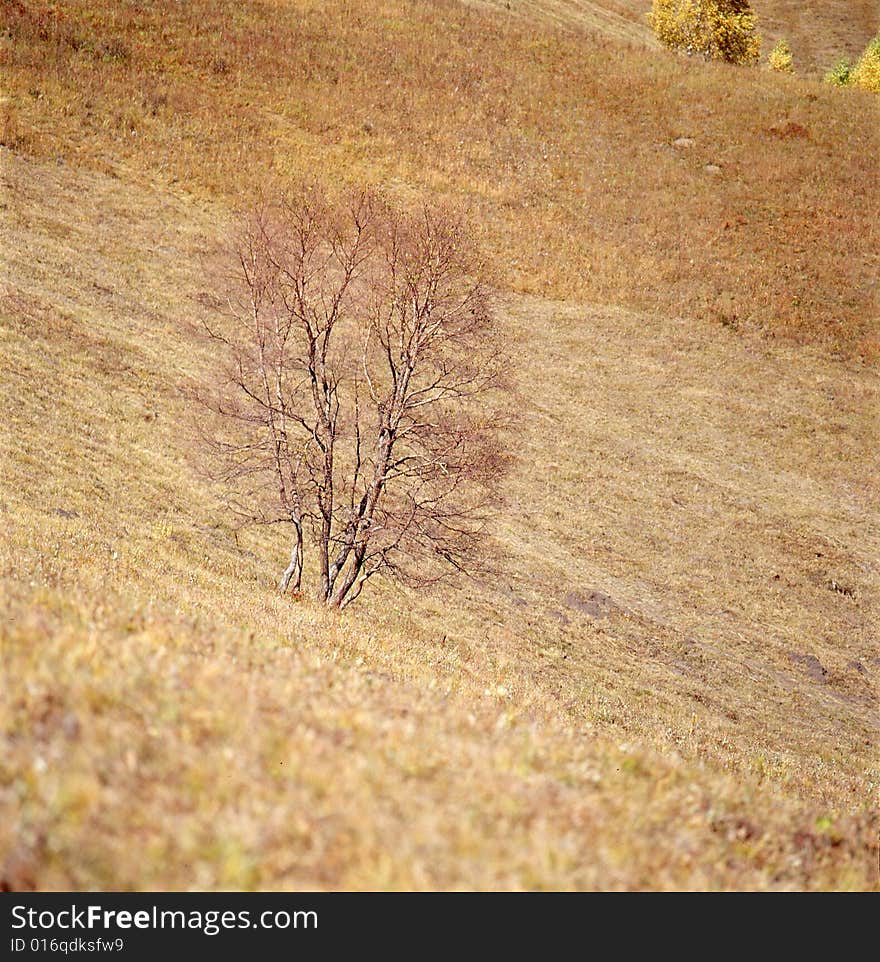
(866, 73)
(839, 75)
(780, 58)
(713, 29)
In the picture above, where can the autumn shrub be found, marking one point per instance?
(840, 74)
(780, 58)
(866, 73)
(713, 29)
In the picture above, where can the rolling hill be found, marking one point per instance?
(820, 34)
(670, 678)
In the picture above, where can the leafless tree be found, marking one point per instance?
(356, 387)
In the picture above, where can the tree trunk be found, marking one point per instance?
(293, 572)
(338, 598)
(356, 548)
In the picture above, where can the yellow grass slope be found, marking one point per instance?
(595, 170)
(669, 681)
(622, 20)
(671, 678)
(821, 33)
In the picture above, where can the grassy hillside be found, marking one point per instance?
(562, 144)
(707, 719)
(623, 20)
(820, 33)
(670, 679)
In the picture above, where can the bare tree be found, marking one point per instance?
(354, 401)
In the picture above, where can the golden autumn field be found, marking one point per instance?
(668, 680)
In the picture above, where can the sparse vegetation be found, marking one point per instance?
(711, 29)
(666, 679)
(866, 73)
(780, 58)
(840, 74)
(819, 33)
(484, 112)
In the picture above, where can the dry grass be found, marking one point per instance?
(820, 34)
(622, 20)
(671, 679)
(168, 722)
(559, 141)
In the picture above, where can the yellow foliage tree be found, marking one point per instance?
(866, 73)
(780, 58)
(713, 29)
